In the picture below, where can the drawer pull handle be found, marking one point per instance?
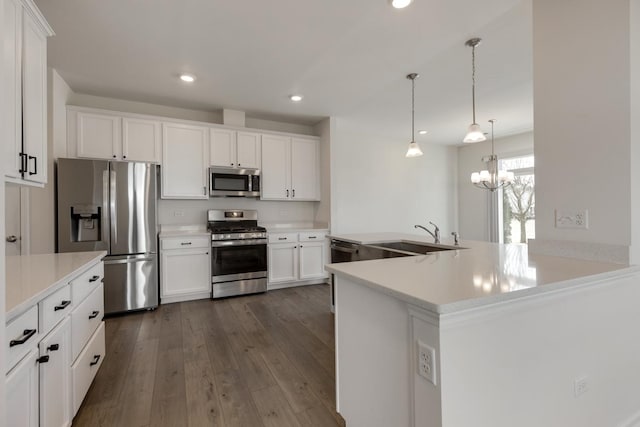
(64, 304)
(94, 278)
(42, 359)
(185, 243)
(282, 238)
(313, 237)
(96, 359)
(94, 314)
(26, 334)
(53, 347)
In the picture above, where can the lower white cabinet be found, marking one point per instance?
(22, 392)
(297, 257)
(45, 386)
(54, 362)
(185, 268)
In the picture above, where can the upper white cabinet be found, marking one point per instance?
(235, 149)
(290, 168)
(106, 136)
(25, 92)
(185, 153)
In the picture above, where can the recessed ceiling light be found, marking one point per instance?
(399, 4)
(295, 98)
(187, 78)
(422, 132)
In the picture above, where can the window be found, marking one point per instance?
(516, 203)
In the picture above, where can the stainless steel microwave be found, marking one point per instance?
(234, 182)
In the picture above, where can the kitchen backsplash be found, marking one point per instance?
(176, 212)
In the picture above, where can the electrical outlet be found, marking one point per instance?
(580, 386)
(572, 219)
(427, 362)
(178, 213)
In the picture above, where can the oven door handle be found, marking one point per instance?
(225, 243)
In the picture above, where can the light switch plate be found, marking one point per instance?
(578, 219)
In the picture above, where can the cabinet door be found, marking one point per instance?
(283, 262)
(12, 96)
(312, 260)
(305, 169)
(185, 161)
(276, 168)
(34, 91)
(248, 150)
(141, 140)
(185, 272)
(22, 392)
(223, 148)
(98, 136)
(55, 377)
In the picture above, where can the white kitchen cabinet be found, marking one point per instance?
(55, 376)
(113, 137)
(312, 260)
(296, 258)
(283, 262)
(22, 402)
(25, 97)
(235, 149)
(290, 168)
(185, 268)
(185, 154)
(141, 140)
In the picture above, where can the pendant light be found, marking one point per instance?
(491, 179)
(414, 149)
(474, 133)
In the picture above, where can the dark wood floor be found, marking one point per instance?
(259, 360)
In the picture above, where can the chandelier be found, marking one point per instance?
(491, 178)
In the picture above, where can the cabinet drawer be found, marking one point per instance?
(85, 319)
(185, 242)
(312, 236)
(86, 366)
(84, 284)
(283, 237)
(53, 308)
(21, 336)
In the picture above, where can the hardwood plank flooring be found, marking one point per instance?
(257, 360)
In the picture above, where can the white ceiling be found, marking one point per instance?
(348, 58)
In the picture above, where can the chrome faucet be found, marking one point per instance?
(456, 238)
(435, 234)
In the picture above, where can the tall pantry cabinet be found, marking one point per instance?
(24, 118)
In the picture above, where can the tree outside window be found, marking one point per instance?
(516, 204)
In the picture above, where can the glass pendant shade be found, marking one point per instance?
(414, 150)
(474, 134)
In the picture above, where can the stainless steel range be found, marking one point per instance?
(238, 253)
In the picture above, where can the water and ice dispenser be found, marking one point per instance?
(86, 224)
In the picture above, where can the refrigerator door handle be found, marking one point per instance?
(112, 206)
(105, 203)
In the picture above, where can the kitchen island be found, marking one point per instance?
(486, 335)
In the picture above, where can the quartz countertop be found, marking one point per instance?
(474, 275)
(294, 227)
(31, 278)
(183, 230)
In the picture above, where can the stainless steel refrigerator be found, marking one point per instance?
(109, 205)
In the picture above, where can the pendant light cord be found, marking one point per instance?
(491, 121)
(473, 81)
(413, 101)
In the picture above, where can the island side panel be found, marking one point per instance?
(372, 357)
(517, 364)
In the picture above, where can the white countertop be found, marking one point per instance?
(480, 274)
(294, 227)
(183, 230)
(31, 278)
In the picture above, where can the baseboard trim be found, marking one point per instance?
(274, 286)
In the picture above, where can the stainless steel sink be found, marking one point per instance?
(416, 248)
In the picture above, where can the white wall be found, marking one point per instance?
(374, 187)
(323, 209)
(582, 118)
(473, 203)
(634, 255)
